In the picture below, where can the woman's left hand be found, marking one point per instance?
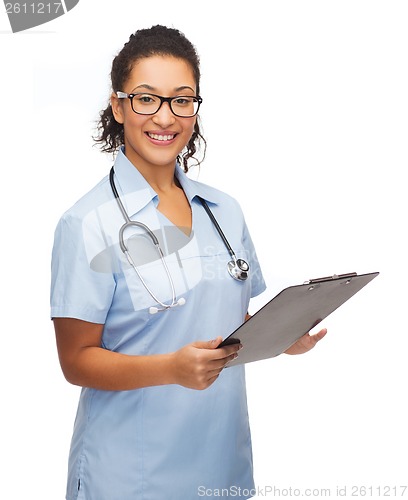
(305, 343)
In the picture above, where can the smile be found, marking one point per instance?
(159, 137)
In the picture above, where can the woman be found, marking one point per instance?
(158, 417)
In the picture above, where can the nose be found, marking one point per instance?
(164, 117)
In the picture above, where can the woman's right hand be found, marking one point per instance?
(199, 364)
(85, 363)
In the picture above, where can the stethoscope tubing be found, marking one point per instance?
(129, 223)
(237, 268)
(218, 228)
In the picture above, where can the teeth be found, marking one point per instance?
(161, 137)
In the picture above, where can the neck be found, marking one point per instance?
(160, 177)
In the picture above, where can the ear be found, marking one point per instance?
(117, 108)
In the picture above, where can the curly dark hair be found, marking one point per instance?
(157, 40)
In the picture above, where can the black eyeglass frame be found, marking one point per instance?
(169, 100)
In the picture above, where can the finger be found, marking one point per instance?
(225, 352)
(219, 364)
(212, 379)
(319, 335)
(215, 372)
(218, 354)
(209, 344)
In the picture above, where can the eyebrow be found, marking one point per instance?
(149, 87)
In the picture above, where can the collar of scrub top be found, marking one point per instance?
(137, 192)
(142, 193)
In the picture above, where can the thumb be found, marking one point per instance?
(209, 344)
(318, 336)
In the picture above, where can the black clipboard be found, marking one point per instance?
(292, 313)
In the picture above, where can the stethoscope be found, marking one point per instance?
(237, 268)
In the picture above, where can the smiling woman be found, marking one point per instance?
(138, 48)
(140, 308)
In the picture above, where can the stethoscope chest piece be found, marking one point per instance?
(238, 269)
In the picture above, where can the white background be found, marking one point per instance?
(305, 113)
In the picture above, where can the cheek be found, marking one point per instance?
(135, 122)
(133, 125)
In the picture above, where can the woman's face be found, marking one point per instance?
(156, 140)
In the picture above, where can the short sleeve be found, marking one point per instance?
(77, 290)
(257, 281)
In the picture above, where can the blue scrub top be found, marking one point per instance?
(166, 442)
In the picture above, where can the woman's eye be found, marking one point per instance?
(145, 99)
(183, 101)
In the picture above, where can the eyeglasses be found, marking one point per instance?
(149, 104)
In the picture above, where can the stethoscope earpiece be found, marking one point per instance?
(180, 302)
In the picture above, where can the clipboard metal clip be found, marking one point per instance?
(329, 278)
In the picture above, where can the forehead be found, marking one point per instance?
(161, 73)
